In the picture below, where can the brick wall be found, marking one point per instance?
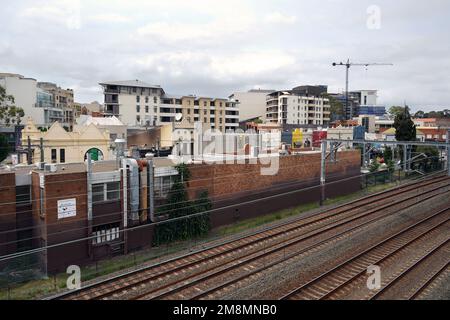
(7, 213)
(239, 192)
(55, 231)
(224, 180)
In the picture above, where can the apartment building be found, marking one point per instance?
(139, 104)
(45, 102)
(252, 104)
(63, 99)
(297, 107)
(367, 101)
(134, 102)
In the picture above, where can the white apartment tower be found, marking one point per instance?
(288, 107)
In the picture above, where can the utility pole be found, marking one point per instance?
(347, 66)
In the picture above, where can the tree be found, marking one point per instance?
(4, 147)
(387, 155)
(419, 114)
(405, 130)
(374, 166)
(431, 162)
(396, 110)
(177, 206)
(9, 113)
(336, 107)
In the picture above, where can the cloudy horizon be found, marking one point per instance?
(216, 48)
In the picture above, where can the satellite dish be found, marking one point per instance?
(178, 117)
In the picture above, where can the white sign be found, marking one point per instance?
(41, 180)
(15, 159)
(67, 208)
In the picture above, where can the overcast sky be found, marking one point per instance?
(217, 47)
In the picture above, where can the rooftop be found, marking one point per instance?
(131, 83)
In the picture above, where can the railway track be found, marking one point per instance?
(166, 275)
(418, 275)
(351, 274)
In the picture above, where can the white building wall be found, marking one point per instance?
(24, 91)
(128, 109)
(368, 97)
(251, 104)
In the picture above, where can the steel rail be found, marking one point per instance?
(375, 246)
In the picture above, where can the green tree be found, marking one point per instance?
(394, 111)
(178, 206)
(419, 114)
(404, 126)
(4, 147)
(387, 155)
(336, 107)
(9, 113)
(374, 166)
(431, 162)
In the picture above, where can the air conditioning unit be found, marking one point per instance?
(50, 168)
(40, 165)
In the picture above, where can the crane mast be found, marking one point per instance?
(347, 66)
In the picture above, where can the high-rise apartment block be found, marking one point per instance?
(302, 105)
(139, 104)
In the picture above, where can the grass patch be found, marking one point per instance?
(259, 221)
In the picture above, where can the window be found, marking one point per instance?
(146, 109)
(54, 156)
(62, 155)
(138, 108)
(105, 233)
(112, 191)
(134, 90)
(155, 109)
(102, 192)
(138, 119)
(98, 193)
(138, 99)
(155, 100)
(146, 99)
(163, 185)
(23, 195)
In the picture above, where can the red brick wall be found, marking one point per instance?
(224, 180)
(7, 213)
(55, 231)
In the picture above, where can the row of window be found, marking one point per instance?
(138, 109)
(138, 99)
(105, 233)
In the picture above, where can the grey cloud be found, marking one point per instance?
(217, 61)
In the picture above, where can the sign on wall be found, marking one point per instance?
(67, 208)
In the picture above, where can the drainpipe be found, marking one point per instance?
(133, 187)
(322, 172)
(89, 201)
(150, 188)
